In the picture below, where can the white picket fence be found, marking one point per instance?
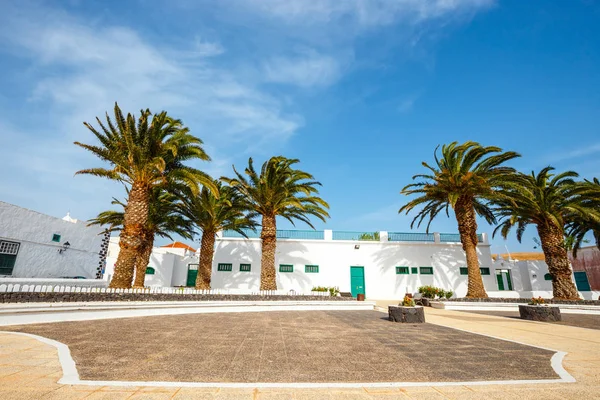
(18, 288)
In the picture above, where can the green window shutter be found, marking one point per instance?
(56, 237)
(401, 270)
(426, 270)
(150, 271)
(311, 269)
(245, 267)
(414, 270)
(225, 267)
(548, 277)
(464, 271)
(484, 271)
(286, 268)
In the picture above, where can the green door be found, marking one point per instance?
(192, 274)
(508, 281)
(503, 278)
(581, 281)
(357, 280)
(7, 263)
(500, 280)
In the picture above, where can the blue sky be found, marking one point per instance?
(360, 91)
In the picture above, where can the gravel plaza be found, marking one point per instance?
(271, 355)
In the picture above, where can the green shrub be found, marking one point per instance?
(333, 290)
(431, 292)
(408, 302)
(428, 291)
(537, 302)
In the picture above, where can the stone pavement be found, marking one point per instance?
(29, 370)
(288, 346)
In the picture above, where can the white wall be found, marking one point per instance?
(170, 264)
(38, 255)
(335, 257)
(537, 269)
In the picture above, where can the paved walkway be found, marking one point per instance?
(29, 370)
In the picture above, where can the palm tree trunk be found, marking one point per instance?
(131, 238)
(207, 249)
(142, 261)
(552, 239)
(268, 235)
(467, 227)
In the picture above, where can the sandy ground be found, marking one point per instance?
(578, 320)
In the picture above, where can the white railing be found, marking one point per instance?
(18, 288)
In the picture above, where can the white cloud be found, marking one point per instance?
(78, 69)
(305, 70)
(369, 13)
(583, 151)
(406, 105)
(207, 49)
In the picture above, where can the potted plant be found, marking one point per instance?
(538, 310)
(406, 312)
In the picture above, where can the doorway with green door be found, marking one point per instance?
(191, 275)
(357, 281)
(504, 279)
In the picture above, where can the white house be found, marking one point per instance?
(35, 245)
(168, 264)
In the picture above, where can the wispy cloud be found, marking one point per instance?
(305, 70)
(76, 67)
(80, 68)
(365, 13)
(581, 152)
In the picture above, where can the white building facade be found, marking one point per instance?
(386, 265)
(168, 266)
(35, 245)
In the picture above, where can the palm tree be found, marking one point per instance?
(211, 214)
(164, 219)
(550, 201)
(579, 228)
(279, 190)
(464, 178)
(144, 154)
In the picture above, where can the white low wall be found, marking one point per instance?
(96, 283)
(546, 294)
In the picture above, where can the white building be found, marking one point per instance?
(386, 267)
(168, 265)
(35, 245)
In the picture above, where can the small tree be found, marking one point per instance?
(550, 202)
(145, 153)
(278, 190)
(464, 178)
(164, 219)
(210, 214)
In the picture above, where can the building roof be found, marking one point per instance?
(179, 245)
(525, 256)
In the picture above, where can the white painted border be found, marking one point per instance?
(71, 376)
